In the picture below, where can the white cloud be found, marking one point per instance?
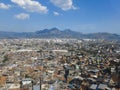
(56, 13)
(64, 4)
(31, 5)
(4, 6)
(22, 16)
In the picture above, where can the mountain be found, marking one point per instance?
(9, 35)
(57, 33)
(49, 33)
(106, 36)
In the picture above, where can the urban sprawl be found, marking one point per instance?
(59, 64)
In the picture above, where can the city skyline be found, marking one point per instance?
(86, 16)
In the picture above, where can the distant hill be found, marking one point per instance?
(56, 33)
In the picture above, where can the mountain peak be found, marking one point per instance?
(56, 33)
(49, 31)
(54, 29)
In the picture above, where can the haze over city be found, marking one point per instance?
(86, 16)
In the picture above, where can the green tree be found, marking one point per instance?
(5, 58)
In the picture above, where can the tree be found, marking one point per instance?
(5, 59)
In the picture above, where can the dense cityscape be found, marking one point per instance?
(59, 64)
(59, 44)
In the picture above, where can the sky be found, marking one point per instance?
(86, 16)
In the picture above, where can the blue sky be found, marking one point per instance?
(86, 16)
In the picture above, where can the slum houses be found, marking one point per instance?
(60, 65)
